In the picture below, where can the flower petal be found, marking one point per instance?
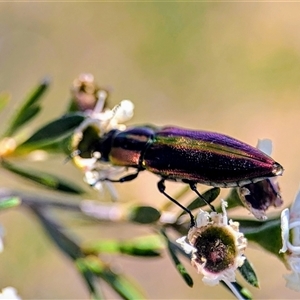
(185, 246)
(293, 281)
(295, 208)
(9, 293)
(202, 218)
(265, 146)
(285, 217)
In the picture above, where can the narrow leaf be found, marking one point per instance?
(124, 287)
(56, 233)
(29, 109)
(267, 233)
(45, 179)
(52, 132)
(179, 266)
(248, 273)
(209, 195)
(144, 214)
(238, 291)
(9, 202)
(172, 248)
(67, 245)
(147, 246)
(119, 283)
(88, 277)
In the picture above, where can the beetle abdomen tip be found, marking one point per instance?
(277, 169)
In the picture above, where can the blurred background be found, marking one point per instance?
(232, 68)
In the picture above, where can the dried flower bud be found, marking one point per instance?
(259, 196)
(86, 93)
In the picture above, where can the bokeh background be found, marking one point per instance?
(227, 67)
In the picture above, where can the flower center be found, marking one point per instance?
(216, 248)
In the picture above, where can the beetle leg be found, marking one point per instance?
(161, 187)
(194, 189)
(123, 179)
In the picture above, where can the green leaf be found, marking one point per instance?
(102, 246)
(242, 292)
(30, 108)
(144, 214)
(265, 233)
(147, 246)
(209, 195)
(52, 132)
(4, 99)
(56, 233)
(123, 286)
(248, 273)
(183, 272)
(45, 179)
(9, 202)
(66, 244)
(88, 277)
(173, 248)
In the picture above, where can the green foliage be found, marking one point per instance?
(56, 137)
(147, 246)
(266, 234)
(173, 251)
(120, 284)
(52, 133)
(144, 214)
(209, 195)
(248, 273)
(50, 181)
(29, 108)
(9, 202)
(242, 291)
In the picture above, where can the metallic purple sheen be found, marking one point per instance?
(207, 157)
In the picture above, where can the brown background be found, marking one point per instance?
(227, 67)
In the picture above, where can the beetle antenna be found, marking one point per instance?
(161, 187)
(194, 189)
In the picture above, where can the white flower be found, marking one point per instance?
(290, 233)
(101, 121)
(95, 172)
(9, 293)
(217, 247)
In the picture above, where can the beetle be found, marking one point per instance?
(179, 154)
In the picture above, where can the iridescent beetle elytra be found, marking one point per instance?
(185, 155)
